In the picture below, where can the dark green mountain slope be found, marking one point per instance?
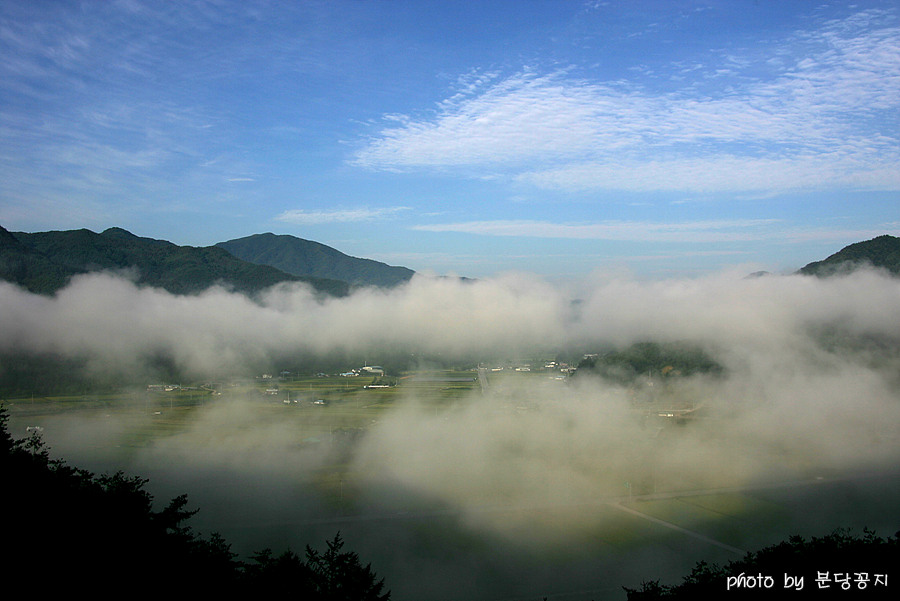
(883, 252)
(29, 268)
(307, 258)
(158, 263)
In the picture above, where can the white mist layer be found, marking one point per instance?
(810, 380)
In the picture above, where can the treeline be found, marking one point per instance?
(67, 529)
(53, 374)
(24, 375)
(649, 359)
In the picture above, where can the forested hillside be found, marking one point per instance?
(29, 268)
(882, 252)
(649, 359)
(308, 258)
(43, 262)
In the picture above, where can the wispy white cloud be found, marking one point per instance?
(109, 101)
(725, 173)
(696, 231)
(826, 117)
(304, 217)
(708, 231)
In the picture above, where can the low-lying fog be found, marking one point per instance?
(480, 501)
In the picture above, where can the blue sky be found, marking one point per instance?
(664, 138)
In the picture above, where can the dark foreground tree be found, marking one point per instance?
(64, 529)
(334, 575)
(839, 565)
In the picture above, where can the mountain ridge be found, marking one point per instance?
(29, 268)
(302, 257)
(44, 262)
(882, 252)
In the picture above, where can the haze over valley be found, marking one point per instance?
(479, 434)
(526, 299)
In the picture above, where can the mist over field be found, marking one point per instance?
(809, 387)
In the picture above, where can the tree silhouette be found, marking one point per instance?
(65, 529)
(340, 576)
(332, 575)
(839, 565)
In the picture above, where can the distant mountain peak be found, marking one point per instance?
(117, 232)
(882, 252)
(313, 259)
(43, 262)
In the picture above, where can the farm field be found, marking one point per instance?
(112, 431)
(301, 481)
